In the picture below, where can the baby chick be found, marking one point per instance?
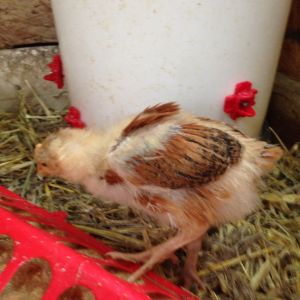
(189, 172)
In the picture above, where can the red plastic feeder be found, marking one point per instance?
(70, 268)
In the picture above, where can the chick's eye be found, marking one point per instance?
(44, 165)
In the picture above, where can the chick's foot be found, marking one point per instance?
(133, 257)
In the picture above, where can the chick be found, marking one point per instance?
(189, 172)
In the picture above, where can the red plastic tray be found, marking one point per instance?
(69, 267)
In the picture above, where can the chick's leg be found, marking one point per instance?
(190, 267)
(161, 252)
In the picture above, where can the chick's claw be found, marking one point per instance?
(139, 257)
(133, 257)
(190, 277)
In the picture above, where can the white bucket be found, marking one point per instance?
(120, 56)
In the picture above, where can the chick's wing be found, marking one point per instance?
(192, 156)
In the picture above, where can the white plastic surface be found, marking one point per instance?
(122, 55)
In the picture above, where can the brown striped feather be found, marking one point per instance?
(150, 116)
(191, 158)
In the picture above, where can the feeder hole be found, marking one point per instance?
(29, 282)
(23, 213)
(14, 209)
(90, 253)
(158, 296)
(6, 250)
(48, 228)
(52, 230)
(77, 292)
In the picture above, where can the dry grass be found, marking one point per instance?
(257, 258)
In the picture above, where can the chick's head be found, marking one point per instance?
(46, 157)
(62, 154)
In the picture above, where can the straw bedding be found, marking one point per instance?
(256, 258)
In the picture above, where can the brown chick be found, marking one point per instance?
(186, 171)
